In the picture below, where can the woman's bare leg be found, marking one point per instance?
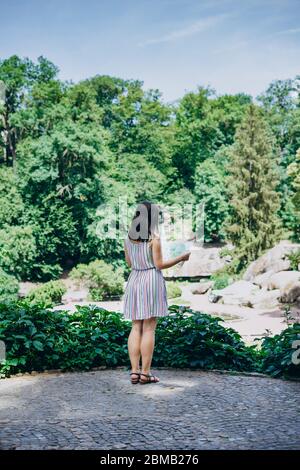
(134, 344)
(147, 343)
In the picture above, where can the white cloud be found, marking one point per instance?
(190, 30)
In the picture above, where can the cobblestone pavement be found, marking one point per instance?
(186, 410)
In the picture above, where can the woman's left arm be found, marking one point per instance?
(127, 255)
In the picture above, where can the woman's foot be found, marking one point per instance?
(135, 377)
(148, 379)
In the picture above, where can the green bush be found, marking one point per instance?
(221, 280)
(192, 339)
(102, 280)
(294, 258)
(47, 294)
(278, 352)
(11, 204)
(173, 290)
(38, 339)
(17, 251)
(9, 287)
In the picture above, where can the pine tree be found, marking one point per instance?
(254, 224)
(293, 171)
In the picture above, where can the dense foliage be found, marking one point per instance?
(48, 294)
(102, 280)
(37, 338)
(68, 149)
(281, 353)
(199, 340)
(9, 287)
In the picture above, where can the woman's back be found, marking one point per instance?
(140, 254)
(145, 294)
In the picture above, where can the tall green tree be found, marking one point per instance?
(293, 172)
(204, 123)
(253, 225)
(210, 188)
(22, 77)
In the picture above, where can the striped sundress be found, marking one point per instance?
(145, 293)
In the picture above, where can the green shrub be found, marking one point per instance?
(225, 252)
(11, 204)
(102, 280)
(277, 353)
(9, 287)
(38, 339)
(192, 339)
(294, 258)
(17, 251)
(173, 290)
(221, 280)
(47, 294)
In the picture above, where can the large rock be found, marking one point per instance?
(274, 260)
(266, 299)
(204, 261)
(238, 293)
(262, 280)
(201, 287)
(290, 293)
(283, 279)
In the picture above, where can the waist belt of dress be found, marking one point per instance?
(145, 269)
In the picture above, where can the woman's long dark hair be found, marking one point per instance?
(145, 223)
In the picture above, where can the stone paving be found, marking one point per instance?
(187, 410)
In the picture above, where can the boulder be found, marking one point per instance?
(201, 287)
(290, 293)
(238, 293)
(204, 261)
(213, 298)
(266, 299)
(275, 260)
(282, 279)
(262, 279)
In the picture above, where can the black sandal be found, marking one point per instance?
(151, 379)
(135, 380)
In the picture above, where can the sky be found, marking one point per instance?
(172, 45)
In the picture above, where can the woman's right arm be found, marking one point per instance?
(158, 258)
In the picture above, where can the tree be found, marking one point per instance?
(253, 225)
(204, 123)
(293, 172)
(210, 189)
(19, 76)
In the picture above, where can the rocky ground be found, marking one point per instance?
(186, 410)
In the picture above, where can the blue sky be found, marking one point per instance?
(172, 45)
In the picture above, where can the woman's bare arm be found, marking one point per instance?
(127, 256)
(158, 258)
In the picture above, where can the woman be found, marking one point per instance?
(145, 296)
